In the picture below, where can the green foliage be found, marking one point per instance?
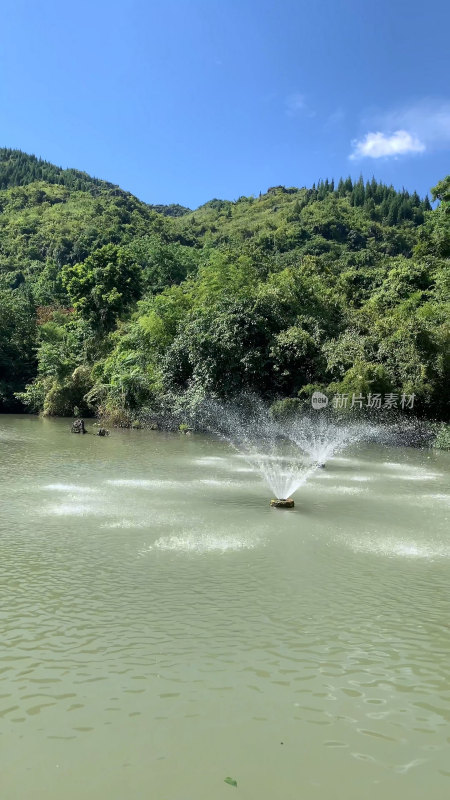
(363, 378)
(442, 439)
(65, 398)
(442, 192)
(17, 338)
(63, 374)
(282, 409)
(112, 305)
(184, 427)
(50, 221)
(102, 287)
(20, 169)
(172, 210)
(161, 263)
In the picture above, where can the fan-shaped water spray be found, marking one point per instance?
(284, 450)
(249, 427)
(322, 437)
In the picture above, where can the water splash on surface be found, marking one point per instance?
(421, 476)
(125, 524)
(138, 483)
(392, 548)
(69, 487)
(343, 489)
(72, 510)
(201, 543)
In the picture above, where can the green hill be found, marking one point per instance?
(108, 304)
(20, 169)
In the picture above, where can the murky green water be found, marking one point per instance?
(161, 628)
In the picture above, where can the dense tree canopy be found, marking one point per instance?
(17, 344)
(103, 286)
(110, 304)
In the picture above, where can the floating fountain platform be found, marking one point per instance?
(289, 503)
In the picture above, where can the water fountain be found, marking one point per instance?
(322, 436)
(248, 426)
(286, 450)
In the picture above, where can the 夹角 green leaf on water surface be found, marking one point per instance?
(231, 781)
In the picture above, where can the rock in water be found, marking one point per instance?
(102, 432)
(289, 503)
(78, 426)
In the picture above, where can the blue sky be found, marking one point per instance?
(185, 100)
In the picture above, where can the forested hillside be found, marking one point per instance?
(110, 305)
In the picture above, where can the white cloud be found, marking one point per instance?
(379, 145)
(420, 126)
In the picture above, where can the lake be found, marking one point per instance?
(162, 628)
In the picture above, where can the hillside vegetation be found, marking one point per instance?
(109, 305)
